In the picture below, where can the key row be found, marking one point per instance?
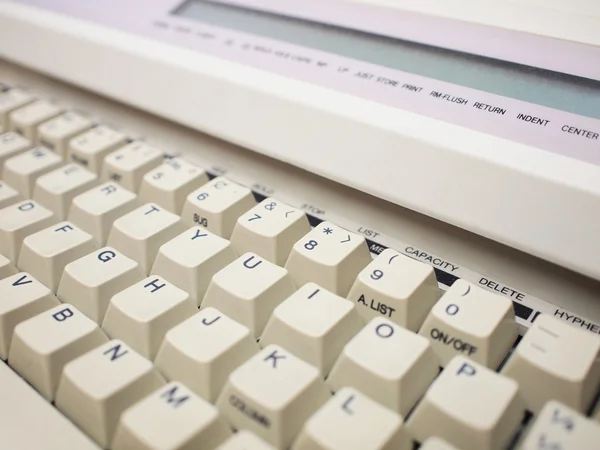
(272, 392)
(157, 319)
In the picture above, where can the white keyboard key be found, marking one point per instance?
(56, 133)
(22, 298)
(556, 361)
(171, 418)
(203, 350)
(42, 345)
(6, 267)
(90, 148)
(46, 253)
(52, 430)
(91, 281)
(248, 290)
(270, 230)
(314, 325)
(57, 189)
(273, 394)
(396, 287)
(217, 205)
(128, 165)
(142, 314)
(470, 406)
(9, 101)
(471, 321)
(170, 183)
(190, 260)
(140, 233)
(329, 256)
(245, 440)
(11, 144)
(96, 210)
(26, 119)
(19, 221)
(22, 171)
(352, 421)
(104, 382)
(435, 443)
(557, 427)
(8, 195)
(390, 364)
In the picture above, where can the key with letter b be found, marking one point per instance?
(42, 345)
(272, 394)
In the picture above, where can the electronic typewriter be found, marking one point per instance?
(317, 224)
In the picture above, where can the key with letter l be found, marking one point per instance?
(42, 345)
(471, 406)
(272, 394)
(329, 256)
(104, 382)
(22, 298)
(352, 421)
(174, 418)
